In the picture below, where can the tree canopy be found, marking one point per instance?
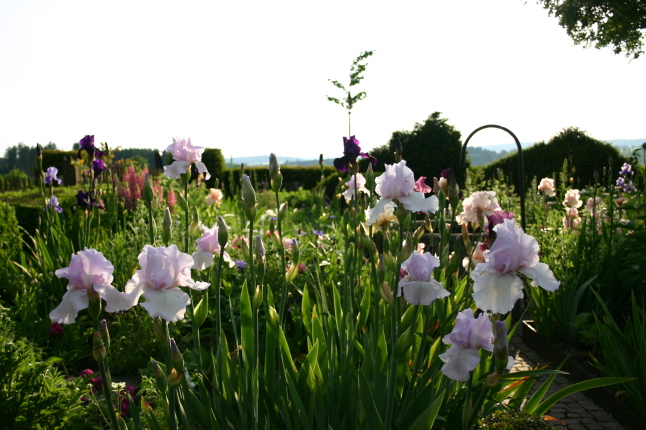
(431, 147)
(619, 24)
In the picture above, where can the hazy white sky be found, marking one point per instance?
(250, 77)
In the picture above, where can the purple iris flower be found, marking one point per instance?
(85, 200)
(98, 166)
(87, 144)
(54, 204)
(626, 169)
(351, 150)
(241, 265)
(50, 175)
(318, 233)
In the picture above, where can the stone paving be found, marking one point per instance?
(577, 411)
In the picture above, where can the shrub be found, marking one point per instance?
(586, 154)
(501, 420)
(215, 164)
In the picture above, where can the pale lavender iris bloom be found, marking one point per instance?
(208, 247)
(184, 153)
(468, 336)
(163, 271)
(87, 269)
(418, 285)
(54, 204)
(50, 176)
(397, 184)
(497, 285)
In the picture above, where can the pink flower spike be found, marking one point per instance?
(421, 187)
(87, 269)
(163, 271)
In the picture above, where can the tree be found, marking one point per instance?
(620, 24)
(350, 100)
(430, 148)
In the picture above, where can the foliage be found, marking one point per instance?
(33, 393)
(63, 161)
(21, 157)
(502, 420)
(356, 70)
(541, 160)
(9, 246)
(479, 156)
(428, 149)
(619, 24)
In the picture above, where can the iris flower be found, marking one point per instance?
(497, 285)
(184, 153)
(418, 285)
(50, 176)
(163, 271)
(351, 150)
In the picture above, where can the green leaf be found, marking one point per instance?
(368, 404)
(575, 388)
(427, 418)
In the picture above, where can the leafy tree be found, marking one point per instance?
(350, 100)
(430, 148)
(620, 24)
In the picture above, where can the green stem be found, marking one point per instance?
(107, 392)
(283, 294)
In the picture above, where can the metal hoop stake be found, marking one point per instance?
(521, 167)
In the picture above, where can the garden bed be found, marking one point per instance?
(579, 370)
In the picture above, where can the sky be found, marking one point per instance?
(251, 77)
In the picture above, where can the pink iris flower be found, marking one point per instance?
(163, 271)
(496, 283)
(208, 247)
(361, 186)
(184, 153)
(87, 269)
(397, 184)
(477, 206)
(547, 187)
(418, 285)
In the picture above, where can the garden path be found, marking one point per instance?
(577, 410)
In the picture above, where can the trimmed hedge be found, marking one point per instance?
(545, 159)
(215, 164)
(8, 231)
(62, 161)
(294, 177)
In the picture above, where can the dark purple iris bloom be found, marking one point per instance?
(98, 166)
(50, 176)
(87, 143)
(85, 200)
(351, 150)
(54, 204)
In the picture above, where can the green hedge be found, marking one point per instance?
(294, 177)
(62, 161)
(215, 164)
(8, 232)
(545, 159)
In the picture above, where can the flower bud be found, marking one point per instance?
(295, 252)
(399, 151)
(195, 222)
(257, 298)
(160, 378)
(272, 227)
(176, 356)
(274, 168)
(260, 249)
(94, 306)
(245, 247)
(158, 330)
(500, 347)
(223, 232)
(407, 248)
(248, 198)
(390, 261)
(167, 227)
(105, 334)
(181, 202)
(282, 211)
(148, 190)
(273, 319)
(381, 269)
(98, 347)
(370, 178)
(175, 378)
(387, 294)
(321, 162)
